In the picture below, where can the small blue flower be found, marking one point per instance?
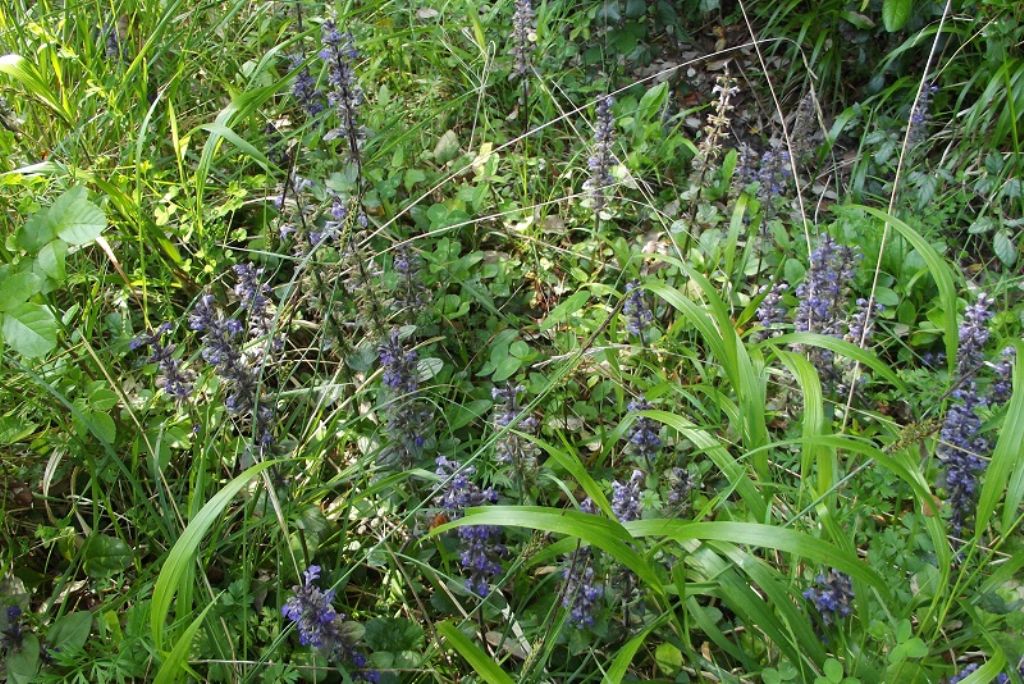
(771, 312)
(172, 379)
(511, 448)
(1002, 386)
(626, 503)
(831, 595)
(321, 627)
(638, 315)
(401, 374)
(601, 159)
(481, 547)
(304, 87)
(644, 442)
(344, 94)
(582, 591)
(974, 335)
(522, 46)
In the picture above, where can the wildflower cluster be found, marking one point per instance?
(222, 348)
(638, 314)
(831, 595)
(680, 485)
(1001, 678)
(602, 158)
(304, 88)
(644, 442)
(410, 296)
(772, 171)
(581, 591)
(408, 421)
(716, 130)
(512, 449)
(172, 379)
(920, 114)
(962, 448)
(771, 312)
(522, 44)
(481, 548)
(626, 502)
(344, 94)
(321, 627)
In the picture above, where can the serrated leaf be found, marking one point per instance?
(895, 14)
(30, 329)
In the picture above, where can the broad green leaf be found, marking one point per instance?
(74, 219)
(50, 260)
(105, 555)
(23, 664)
(895, 14)
(184, 551)
(71, 631)
(1004, 247)
(478, 660)
(16, 288)
(30, 329)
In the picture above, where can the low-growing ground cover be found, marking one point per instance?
(441, 341)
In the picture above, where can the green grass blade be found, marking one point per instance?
(624, 657)
(607, 535)
(480, 661)
(764, 536)
(172, 669)
(732, 470)
(185, 549)
(25, 73)
(1006, 469)
(813, 425)
(851, 351)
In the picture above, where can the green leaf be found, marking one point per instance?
(607, 535)
(447, 147)
(16, 288)
(570, 306)
(183, 553)
(833, 670)
(176, 661)
(1006, 469)
(393, 634)
(105, 555)
(895, 14)
(624, 657)
(940, 272)
(71, 631)
(50, 260)
(31, 329)
(669, 658)
(763, 536)
(23, 664)
(71, 217)
(75, 219)
(478, 660)
(1004, 248)
(26, 73)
